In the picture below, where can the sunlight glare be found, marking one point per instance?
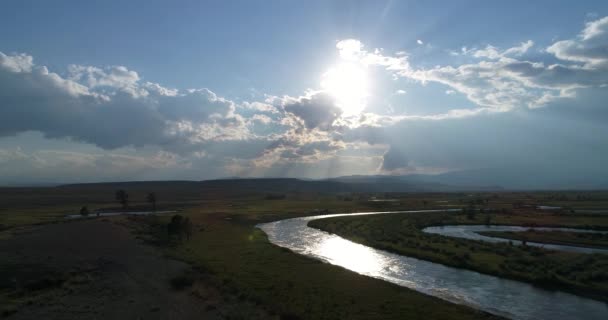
(348, 84)
(351, 255)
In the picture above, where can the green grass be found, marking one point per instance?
(585, 274)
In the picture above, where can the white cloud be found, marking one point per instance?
(589, 48)
(494, 53)
(110, 108)
(420, 42)
(67, 166)
(353, 50)
(502, 81)
(17, 63)
(519, 50)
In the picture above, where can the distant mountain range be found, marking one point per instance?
(512, 178)
(527, 178)
(282, 185)
(408, 183)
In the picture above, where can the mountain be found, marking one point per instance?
(520, 178)
(512, 178)
(407, 183)
(277, 185)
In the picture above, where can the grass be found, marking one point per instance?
(584, 274)
(246, 264)
(237, 259)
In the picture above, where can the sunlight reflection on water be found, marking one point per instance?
(499, 296)
(358, 258)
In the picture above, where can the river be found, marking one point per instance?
(509, 298)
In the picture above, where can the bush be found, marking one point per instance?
(275, 197)
(183, 281)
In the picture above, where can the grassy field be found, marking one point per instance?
(590, 240)
(585, 274)
(240, 258)
(255, 279)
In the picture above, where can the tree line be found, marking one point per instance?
(123, 199)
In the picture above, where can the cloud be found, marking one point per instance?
(110, 108)
(494, 53)
(394, 160)
(589, 48)
(194, 130)
(116, 77)
(65, 166)
(315, 110)
(353, 50)
(500, 80)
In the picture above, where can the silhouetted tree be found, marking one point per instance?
(123, 198)
(84, 211)
(471, 213)
(151, 197)
(180, 226)
(187, 228)
(174, 228)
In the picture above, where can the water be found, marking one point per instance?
(109, 214)
(499, 296)
(471, 232)
(549, 208)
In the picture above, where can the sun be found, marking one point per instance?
(348, 84)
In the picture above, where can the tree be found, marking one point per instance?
(471, 212)
(123, 198)
(187, 228)
(174, 228)
(180, 226)
(151, 197)
(84, 211)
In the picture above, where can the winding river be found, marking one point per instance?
(471, 233)
(512, 299)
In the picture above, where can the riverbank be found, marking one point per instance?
(232, 272)
(240, 257)
(237, 271)
(582, 274)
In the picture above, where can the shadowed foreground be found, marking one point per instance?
(94, 270)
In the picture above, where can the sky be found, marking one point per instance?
(156, 90)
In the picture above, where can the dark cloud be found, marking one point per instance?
(316, 111)
(394, 160)
(124, 113)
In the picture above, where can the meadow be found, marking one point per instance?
(236, 273)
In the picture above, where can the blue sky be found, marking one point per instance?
(203, 89)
